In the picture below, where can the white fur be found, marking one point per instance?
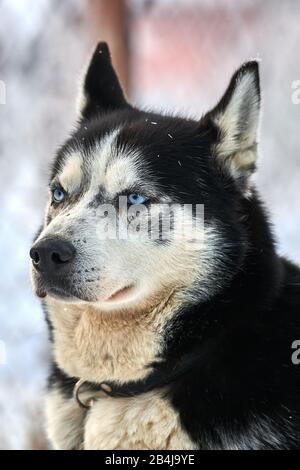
(71, 174)
(239, 124)
(144, 422)
(64, 421)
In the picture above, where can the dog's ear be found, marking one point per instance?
(236, 119)
(101, 88)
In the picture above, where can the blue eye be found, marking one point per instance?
(58, 195)
(136, 199)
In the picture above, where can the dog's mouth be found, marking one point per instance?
(66, 293)
(62, 292)
(57, 293)
(120, 294)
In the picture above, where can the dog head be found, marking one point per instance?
(143, 204)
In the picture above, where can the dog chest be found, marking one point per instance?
(144, 422)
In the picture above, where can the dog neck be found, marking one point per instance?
(99, 346)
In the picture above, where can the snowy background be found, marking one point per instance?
(182, 54)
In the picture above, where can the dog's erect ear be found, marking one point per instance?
(101, 88)
(236, 118)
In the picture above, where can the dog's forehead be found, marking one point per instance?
(144, 154)
(107, 166)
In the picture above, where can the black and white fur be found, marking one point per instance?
(212, 330)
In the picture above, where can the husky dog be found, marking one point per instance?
(182, 341)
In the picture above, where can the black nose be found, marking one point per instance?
(52, 254)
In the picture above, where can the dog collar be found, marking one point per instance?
(85, 393)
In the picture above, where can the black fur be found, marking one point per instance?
(102, 77)
(236, 385)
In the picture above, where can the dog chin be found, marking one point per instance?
(126, 298)
(117, 299)
(60, 294)
(132, 298)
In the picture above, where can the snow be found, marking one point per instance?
(42, 49)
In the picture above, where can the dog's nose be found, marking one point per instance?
(52, 254)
